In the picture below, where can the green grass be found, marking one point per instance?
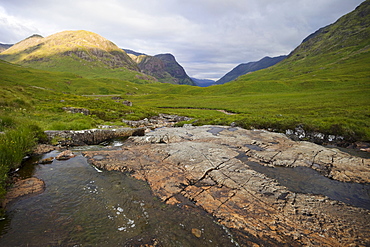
(327, 100)
(323, 86)
(17, 140)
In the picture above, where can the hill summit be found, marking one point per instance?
(85, 45)
(81, 52)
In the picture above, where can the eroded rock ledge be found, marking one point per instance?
(202, 164)
(91, 136)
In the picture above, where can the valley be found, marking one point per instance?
(78, 80)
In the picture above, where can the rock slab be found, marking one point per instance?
(202, 165)
(91, 136)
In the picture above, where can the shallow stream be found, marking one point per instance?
(306, 180)
(83, 206)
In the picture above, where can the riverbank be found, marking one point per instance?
(211, 166)
(249, 180)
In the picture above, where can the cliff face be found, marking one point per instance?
(155, 67)
(164, 67)
(175, 69)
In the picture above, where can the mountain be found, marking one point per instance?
(163, 67)
(155, 67)
(203, 82)
(3, 47)
(328, 57)
(128, 51)
(245, 68)
(80, 52)
(350, 33)
(175, 69)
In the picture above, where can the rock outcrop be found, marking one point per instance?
(91, 136)
(162, 120)
(164, 67)
(203, 164)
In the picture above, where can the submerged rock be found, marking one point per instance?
(65, 155)
(29, 186)
(203, 165)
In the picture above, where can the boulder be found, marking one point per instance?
(77, 110)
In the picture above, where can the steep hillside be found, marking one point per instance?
(155, 67)
(81, 52)
(349, 34)
(321, 88)
(335, 55)
(324, 85)
(163, 67)
(245, 68)
(175, 69)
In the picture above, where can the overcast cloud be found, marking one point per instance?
(207, 37)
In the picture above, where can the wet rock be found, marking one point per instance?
(202, 164)
(91, 136)
(162, 120)
(29, 186)
(196, 232)
(47, 160)
(43, 148)
(65, 155)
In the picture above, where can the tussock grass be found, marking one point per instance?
(16, 141)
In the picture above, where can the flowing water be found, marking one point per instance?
(82, 206)
(307, 180)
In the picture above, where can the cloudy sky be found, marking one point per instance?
(207, 37)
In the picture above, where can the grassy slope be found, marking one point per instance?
(322, 85)
(80, 52)
(332, 100)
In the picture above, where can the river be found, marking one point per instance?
(82, 206)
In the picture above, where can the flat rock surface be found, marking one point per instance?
(204, 164)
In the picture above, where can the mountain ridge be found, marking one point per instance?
(81, 52)
(4, 47)
(319, 90)
(245, 68)
(84, 44)
(92, 55)
(163, 67)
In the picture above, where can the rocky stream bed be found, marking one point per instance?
(212, 166)
(251, 182)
